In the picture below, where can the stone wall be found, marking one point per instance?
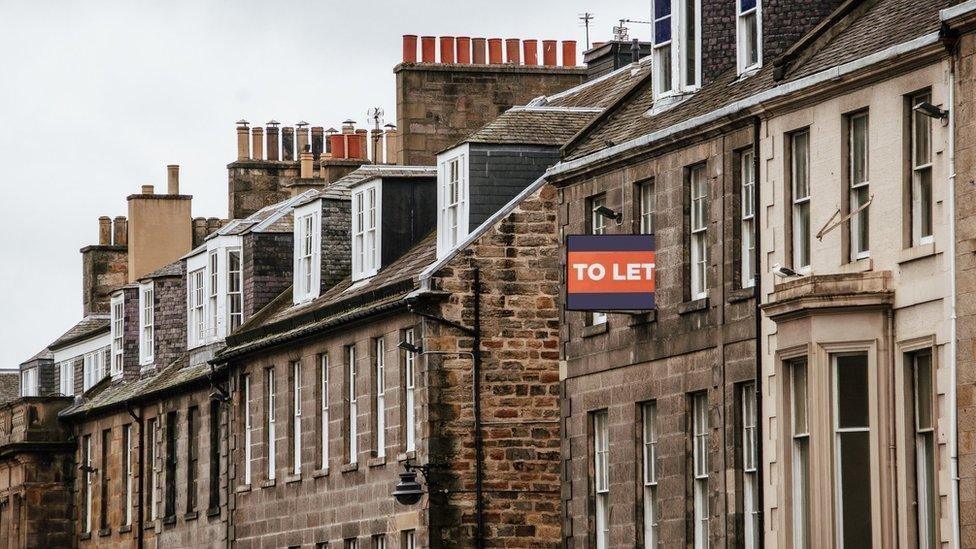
(169, 319)
(267, 268)
(103, 269)
(336, 241)
(440, 104)
(684, 347)
(518, 263)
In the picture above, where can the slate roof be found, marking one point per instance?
(107, 395)
(552, 126)
(340, 187)
(176, 268)
(600, 92)
(89, 326)
(282, 320)
(882, 24)
(9, 385)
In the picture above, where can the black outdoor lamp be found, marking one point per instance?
(409, 347)
(609, 214)
(930, 110)
(408, 490)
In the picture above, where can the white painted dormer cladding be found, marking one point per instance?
(95, 354)
(307, 272)
(117, 330)
(748, 35)
(367, 205)
(147, 323)
(28, 382)
(677, 47)
(214, 301)
(453, 200)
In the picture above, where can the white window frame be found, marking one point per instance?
(751, 506)
(649, 460)
(308, 252)
(926, 469)
(213, 293)
(296, 435)
(648, 205)
(698, 238)
(196, 319)
(922, 204)
(598, 225)
(380, 375)
(601, 480)
(93, 368)
(801, 201)
(66, 377)
(248, 428)
(675, 48)
(324, 405)
(118, 334)
(147, 313)
(127, 460)
(800, 450)
(270, 398)
(367, 206)
(742, 30)
(352, 427)
(452, 199)
(747, 227)
(87, 481)
(409, 539)
(379, 541)
(859, 191)
(700, 449)
(409, 384)
(28, 382)
(235, 289)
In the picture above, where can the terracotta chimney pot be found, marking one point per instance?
(447, 49)
(409, 48)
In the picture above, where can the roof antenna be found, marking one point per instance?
(586, 17)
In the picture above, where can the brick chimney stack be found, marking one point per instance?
(243, 145)
(173, 179)
(105, 231)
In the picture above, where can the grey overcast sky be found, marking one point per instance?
(97, 97)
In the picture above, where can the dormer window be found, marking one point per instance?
(196, 323)
(677, 46)
(117, 328)
(235, 286)
(308, 245)
(748, 50)
(365, 230)
(146, 324)
(28, 382)
(452, 200)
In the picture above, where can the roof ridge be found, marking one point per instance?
(548, 108)
(601, 78)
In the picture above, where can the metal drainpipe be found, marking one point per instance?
(479, 446)
(757, 265)
(140, 529)
(953, 413)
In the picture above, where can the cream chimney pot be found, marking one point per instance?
(148, 189)
(173, 179)
(307, 164)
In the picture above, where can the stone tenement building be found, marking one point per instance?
(375, 350)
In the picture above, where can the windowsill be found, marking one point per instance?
(917, 252)
(595, 329)
(151, 525)
(125, 529)
(746, 73)
(191, 515)
(860, 266)
(85, 536)
(641, 319)
(695, 305)
(320, 473)
(243, 488)
(213, 512)
(406, 456)
(268, 483)
(667, 101)
(376, 461)
(293, 478)
(741, 294)
(169, 520)
(104, 532)
(349, 467)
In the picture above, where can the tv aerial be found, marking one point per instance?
(374, 116)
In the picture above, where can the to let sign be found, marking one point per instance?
(610, 272)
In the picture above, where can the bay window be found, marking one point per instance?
(852, 461)
(800, 452)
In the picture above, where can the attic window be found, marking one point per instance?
(365, 231)
(146, 324)
(307, 252)
(118, 317)
(28, 382)
(677, 46)
(452, 200)
(749, 29)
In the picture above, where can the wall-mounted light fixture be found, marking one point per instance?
(930, 110)
(609, 214)
(408, 491)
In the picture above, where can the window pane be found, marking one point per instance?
(859, 149)
(799, 396)
(691, 46)
(855, 473)
(923, 390)
(852, 391)
(746, 5)
(800, 152)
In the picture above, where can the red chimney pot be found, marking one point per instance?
(530, 50)
(464, 50)
(338, 145)
(549, 53)
(495, 51)
(569, 53)
(409, 48)
(512, 51)
(478, 51)
(447, 49)
(428, 48)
